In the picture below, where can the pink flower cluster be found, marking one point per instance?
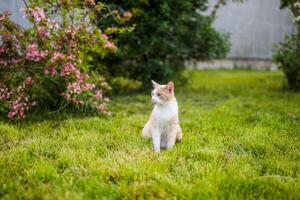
(52, 24)
(15, 61)
(99, 94)
(43, 33)
(89, 86)
(79, 86)
(32, 53)
(2, 49)
(28, 81)
(71, 57)
(21, 103)
(105, 37)
(108, 44)
(37, 13)
(38, 16)
(18, 109)
(50, 71)
(10, 54)
(69, 68)
(76, 89)
(57, 56)
(5, 94)
(101, 107)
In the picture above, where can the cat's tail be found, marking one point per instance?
(179, 134)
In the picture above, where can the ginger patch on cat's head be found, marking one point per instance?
(162, 93)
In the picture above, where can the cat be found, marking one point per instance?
(163, 126)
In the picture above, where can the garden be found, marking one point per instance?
(75, 94)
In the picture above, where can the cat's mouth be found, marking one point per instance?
(154, 102)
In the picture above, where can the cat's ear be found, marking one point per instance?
(170, 86)
(154, 83)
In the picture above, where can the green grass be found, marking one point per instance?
(241, 141)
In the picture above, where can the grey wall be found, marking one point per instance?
(254, 27)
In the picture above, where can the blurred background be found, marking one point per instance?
(128, 43)
(254, 27)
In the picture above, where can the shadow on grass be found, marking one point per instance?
(130, 104)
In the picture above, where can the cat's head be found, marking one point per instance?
(161, 94)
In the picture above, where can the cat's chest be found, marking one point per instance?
(165, 114)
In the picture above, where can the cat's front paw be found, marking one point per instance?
(156, 150)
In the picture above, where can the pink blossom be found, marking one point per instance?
(53, 71)
(19, 106)
(5, 94)
(110, 45)
(99, 94)
(16, 105)
(72, 31)
(50, 71)
(77, 101)
(57, 56)
(69, 68)
(28, 81)
(67, 96)
(11, 114)
(74, 88)
(58, 46)
(46, 71)
(89, 86)
(37, 13)
(100, 107)
(2, 49)
(71, 57)
(104, 36)
(53, 24)
(42, 31)
(15, 61)
(22, 114)
(32, 53)
(81, 77)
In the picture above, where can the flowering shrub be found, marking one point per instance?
(47, 63)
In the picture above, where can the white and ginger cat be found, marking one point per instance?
(163, 126)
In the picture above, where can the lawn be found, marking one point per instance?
(241, 141)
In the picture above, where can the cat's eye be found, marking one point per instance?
(158, 94)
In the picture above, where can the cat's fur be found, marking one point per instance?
(163, 126)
